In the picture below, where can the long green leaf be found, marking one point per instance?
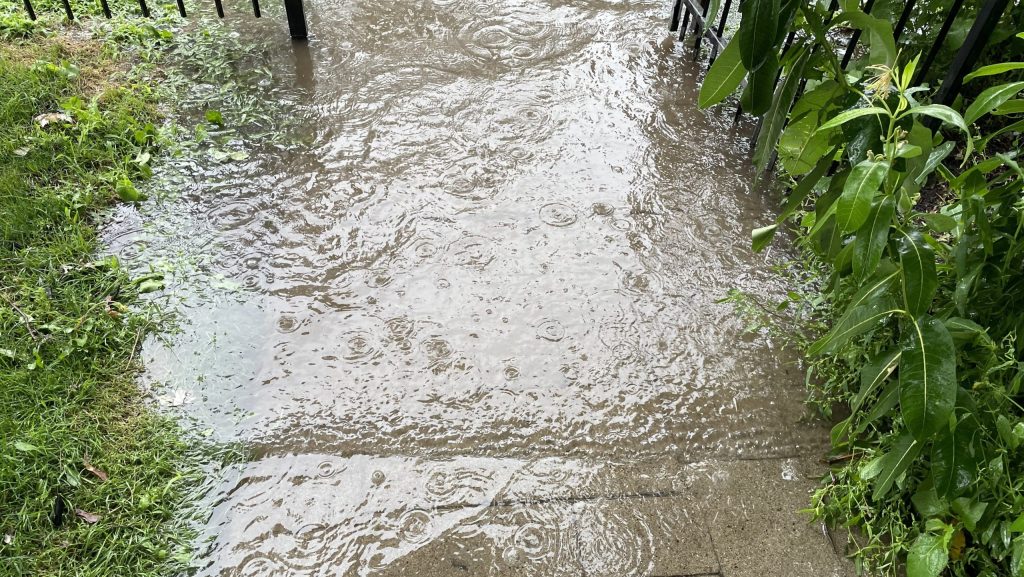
(758, 24)
(888, 400)
(762, 237)
(895, 463)
(880, 35)
(854, 204)
(723, 78)
(801, 145)
(935, 159)
(844, 117)
(948, 115)
(858, 322)
(993, 69)
(713, 7)
(953, 466)
(768, 137)
(872, 303)
(757, 97)
(873, 374)
(991, 99)
(872, 237)
(799, 193)
(1015, 127)
(879, 284)
(927, 377)
(1015, 106)
(967, 331)
(917, 263)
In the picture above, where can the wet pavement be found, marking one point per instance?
(468, 324)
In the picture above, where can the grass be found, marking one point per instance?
(92, 481)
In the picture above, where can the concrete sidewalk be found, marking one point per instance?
(733, 519)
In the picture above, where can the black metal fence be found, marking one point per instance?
(293, 9)
(692, 15)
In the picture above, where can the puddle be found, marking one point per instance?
(478, 304)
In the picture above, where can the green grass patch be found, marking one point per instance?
(92, 481)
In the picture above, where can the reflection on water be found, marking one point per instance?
(477, 307)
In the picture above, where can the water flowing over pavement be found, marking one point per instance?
(468, 327)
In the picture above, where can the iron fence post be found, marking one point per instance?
(926, 64)
(968, 54)
(852, 46)
(296, 19)
(901, 24)
(676, 9)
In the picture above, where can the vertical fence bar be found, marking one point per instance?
(181, 9)
(676, 9)
(937, 45)
(67, 10)
(968, 54)
(296, 19)
(256, 8)
(106, 9)
(701, 28)
(144, 8)
(28, 8)
(901, 24)
(686, 23)
(220, 8)
(852, 46)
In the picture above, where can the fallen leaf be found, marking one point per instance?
(90, 518)
(100, 473)
(53, 117)
(25, 447)
(8, 539)
(127, 191)
(23, 151)
(110, 311)
(150, 285)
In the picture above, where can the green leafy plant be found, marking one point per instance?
(921, 238)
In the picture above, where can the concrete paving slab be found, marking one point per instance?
(396, 516)
(592, 538)
(669, 533)
(751, 511)
(513, 541)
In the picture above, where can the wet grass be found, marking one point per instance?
(92, 481)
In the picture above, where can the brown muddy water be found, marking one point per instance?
(478, 303)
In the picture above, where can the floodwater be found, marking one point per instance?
(474, 307)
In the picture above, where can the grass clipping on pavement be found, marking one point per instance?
(92, 481)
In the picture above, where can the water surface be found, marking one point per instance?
(475, 303)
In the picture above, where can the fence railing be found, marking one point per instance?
(294, 10)
(693, 15)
